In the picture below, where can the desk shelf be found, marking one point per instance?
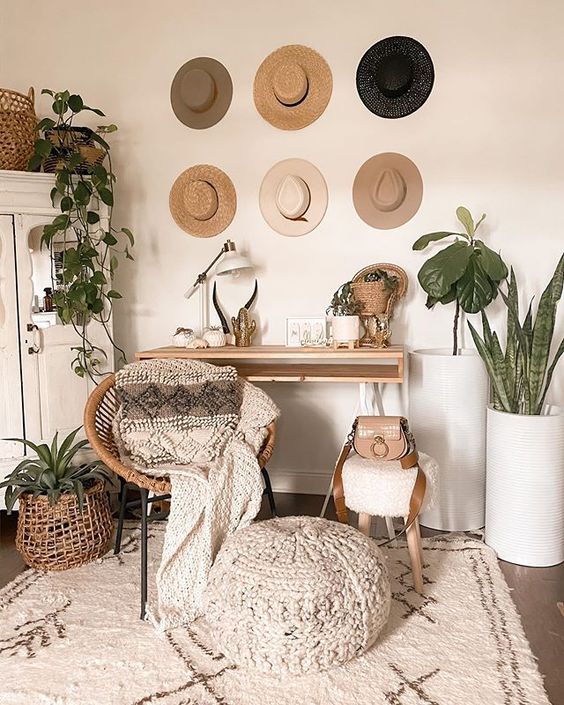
(276, 363)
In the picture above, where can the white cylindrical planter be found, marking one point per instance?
(345, 328)
(448, 396)
(525, 487)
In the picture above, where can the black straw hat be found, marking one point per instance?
(395, 77)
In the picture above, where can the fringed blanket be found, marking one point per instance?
(203, 427)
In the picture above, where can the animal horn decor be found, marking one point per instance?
(243, 326)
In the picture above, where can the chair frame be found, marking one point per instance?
(99, 413)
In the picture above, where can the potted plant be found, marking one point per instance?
(344, 310)
(525, 446)
(91, 245)
(64, 517)
(375, 290)
(448, 391)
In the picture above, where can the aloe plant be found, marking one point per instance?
(467, 272)
(52, 472)
(521, 376)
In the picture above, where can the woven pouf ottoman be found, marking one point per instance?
(297, 595)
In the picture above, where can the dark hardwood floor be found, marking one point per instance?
(536, 592)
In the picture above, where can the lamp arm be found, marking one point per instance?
(201, 278)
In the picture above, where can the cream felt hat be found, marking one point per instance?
(203, 200)
(387, 190)
(292, 87)
(201, 92)
(293, 197)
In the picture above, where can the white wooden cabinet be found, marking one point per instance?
(39, 392)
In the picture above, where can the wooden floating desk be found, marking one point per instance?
(278, 363)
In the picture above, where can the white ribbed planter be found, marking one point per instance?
(448, 396)
(345, 328)
(525, 487)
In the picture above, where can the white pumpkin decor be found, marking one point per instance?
(183, 337)
(215, 337)
(198, 343)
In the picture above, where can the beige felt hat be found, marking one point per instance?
(203, 200)
(201, 92)
(292, 87)
(293, 197)
(387, 190)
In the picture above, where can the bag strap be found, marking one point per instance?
(408, 461)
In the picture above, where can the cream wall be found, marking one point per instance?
(489, 137)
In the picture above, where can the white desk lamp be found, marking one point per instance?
(231, 263)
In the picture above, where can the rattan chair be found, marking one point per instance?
(99, 413)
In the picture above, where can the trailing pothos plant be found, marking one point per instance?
(466, 272)
(344, 302)
(90, 245)
(521, 375)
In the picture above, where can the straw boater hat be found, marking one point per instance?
(387, 190)
(203, 200)
(395, 77)
(293, 197)
(292, 87)
(201, 92)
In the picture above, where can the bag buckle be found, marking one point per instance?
(380, 443)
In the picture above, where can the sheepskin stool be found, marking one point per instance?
(297, 595)
(383, 488)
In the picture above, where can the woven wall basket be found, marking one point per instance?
(373, 296)
(59, 537)
(17, 129)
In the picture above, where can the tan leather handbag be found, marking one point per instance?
(381, 438)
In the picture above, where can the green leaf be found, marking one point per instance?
(106, 196)
(491, 262)
(480, 221)
(94, 110)
(97, 306)
(66, 203)
(43, 148)
(512, 346)
(487, 357)
(549, 375)
(82, 194)
(425, 240)
(463, 215)
(35, 162)
(474, 290)
(76, 103)
(45, 124)
(92, 218)
(112, 294)
(109, 239)
(445, 268)
(98, 278)
(60, 106)
(543, 331)
(129, 235)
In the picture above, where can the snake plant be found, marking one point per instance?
(521, 376)
(52, 472)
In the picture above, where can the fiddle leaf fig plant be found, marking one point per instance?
(89, 246)
(466, 272)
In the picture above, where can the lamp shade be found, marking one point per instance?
(232, 262)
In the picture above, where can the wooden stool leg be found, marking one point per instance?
(413, 545)
(390, 529)
(419, 540)
(364, 523)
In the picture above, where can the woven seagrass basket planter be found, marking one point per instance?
(17, 129)
(68, 141)
(62, 536)
(373, 296)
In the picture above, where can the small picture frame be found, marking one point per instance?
(306, 332)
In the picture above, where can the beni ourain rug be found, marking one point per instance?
(74, 638)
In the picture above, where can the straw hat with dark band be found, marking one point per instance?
(395, 77)
(387, 190)
(292, 87)
(203, 201)
(201, 92)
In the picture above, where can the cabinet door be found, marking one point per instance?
(11, 412)
(54, 396)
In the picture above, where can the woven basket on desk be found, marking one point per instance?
(61, 536)
(17, 129)
(373, 296)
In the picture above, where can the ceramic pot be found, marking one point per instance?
(215, 337)
(345, 328)
(525, 487)
(183, 337)
(448, 396)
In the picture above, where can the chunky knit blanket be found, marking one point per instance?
(203, 427)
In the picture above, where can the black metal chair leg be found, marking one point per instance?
(144, 516)
(269, 492)
(122, 507)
